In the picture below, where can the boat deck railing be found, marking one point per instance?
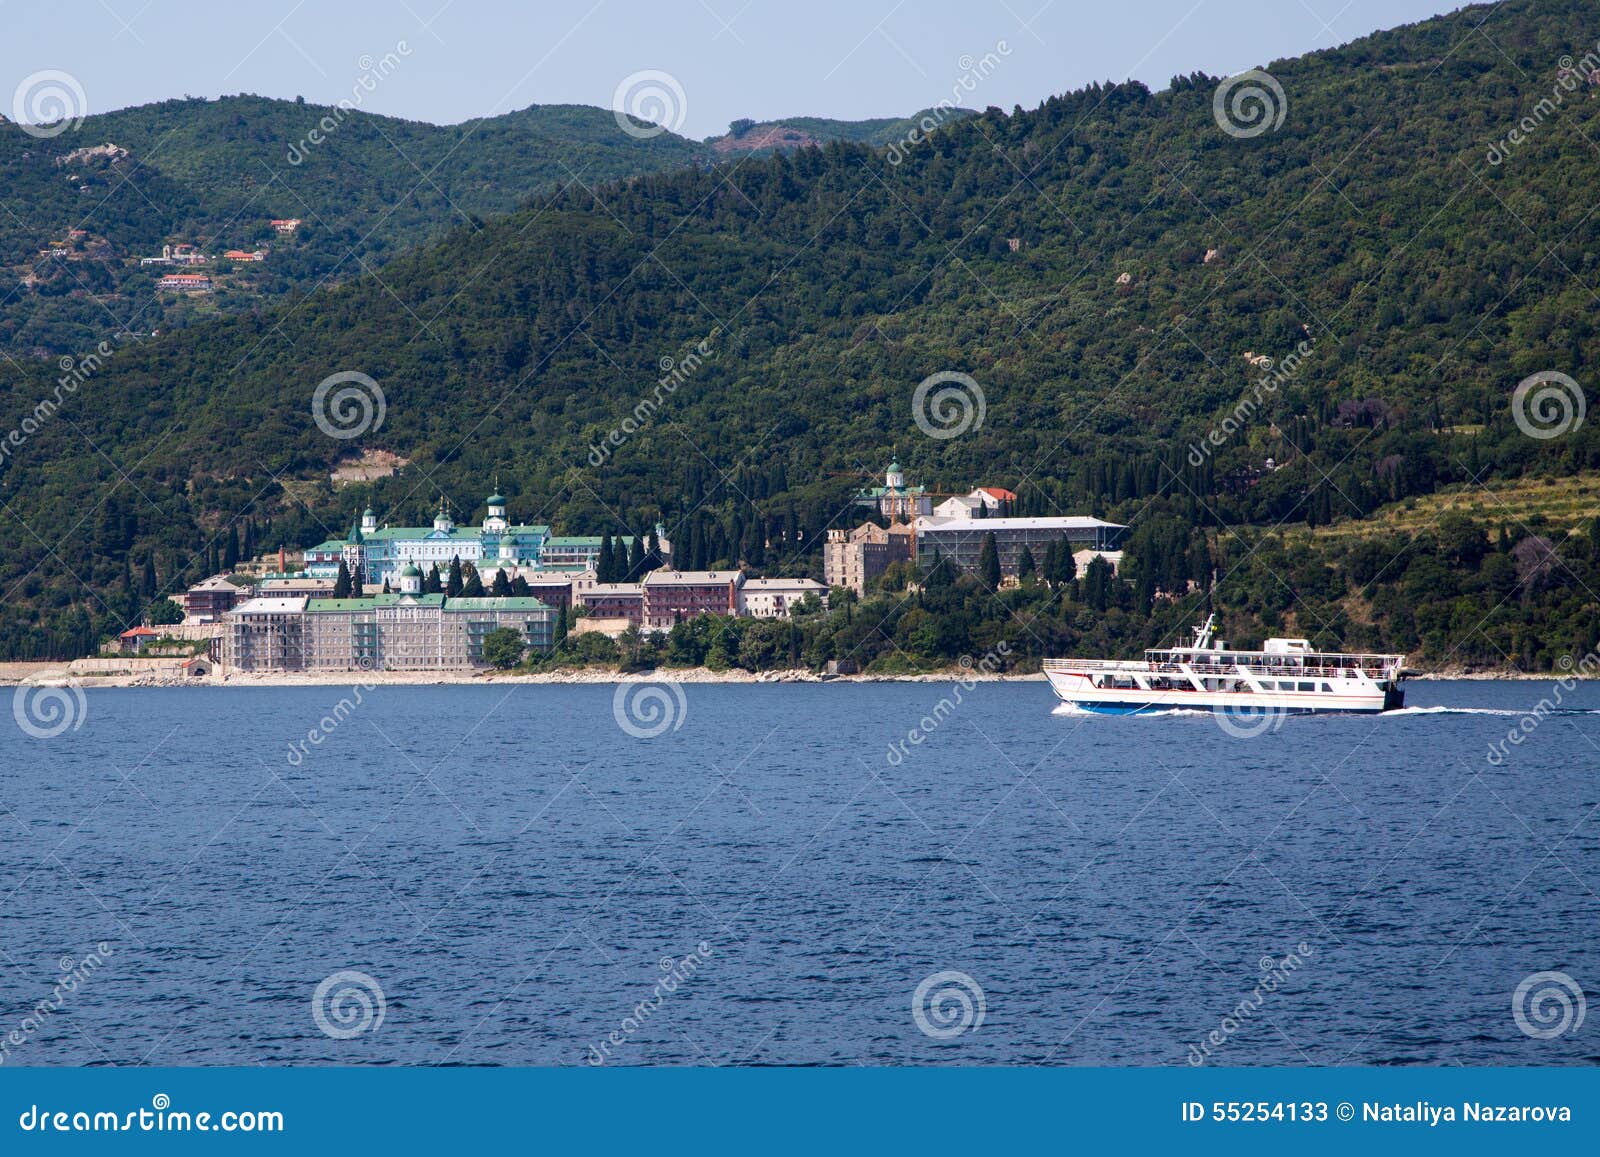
(1380, 667)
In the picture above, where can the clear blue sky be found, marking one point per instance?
(732, 58)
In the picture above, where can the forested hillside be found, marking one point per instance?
(1113, 269)
(215, 173)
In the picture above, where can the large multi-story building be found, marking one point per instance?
(379, 553)
(266, 634)
(208, 601)
(960, 540)
(614, 601)
(777, 598)
(670, 596)
(992, 500)
(578, 552)
(409, 631)
(853, 558)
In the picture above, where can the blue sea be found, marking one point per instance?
(833, 874)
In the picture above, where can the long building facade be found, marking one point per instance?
(409, 631)
(379, 553)
(960, 540)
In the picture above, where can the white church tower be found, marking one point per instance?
(496, 522)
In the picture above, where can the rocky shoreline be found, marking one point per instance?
(13, 674)
(56, 673)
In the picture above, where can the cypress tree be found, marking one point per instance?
(605, 562)
(501, 587)
(520, 588)
(989, 562)
(432, 584)
(453, 585)
(635, 559)
(342, 584)
(472, 587)
(1025, 564)
(230, 549)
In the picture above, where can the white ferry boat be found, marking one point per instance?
(1285, 676)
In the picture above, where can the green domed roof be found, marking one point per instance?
(410, 571)
(496, 500)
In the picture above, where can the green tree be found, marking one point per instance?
(501, 587)
(503, 648)
(989, 562)
(432, 584)
(472, 586)
(452, 586)
(1025, 564)
(342, 584)
(164, 613)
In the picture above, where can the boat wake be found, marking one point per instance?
(1445, 710)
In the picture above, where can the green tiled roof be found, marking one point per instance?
(883, 491)
(314, 606)
(508, 604)
(593, 540)
(390, 533)
(333, 544)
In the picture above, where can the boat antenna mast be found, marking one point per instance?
(1203, 633)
